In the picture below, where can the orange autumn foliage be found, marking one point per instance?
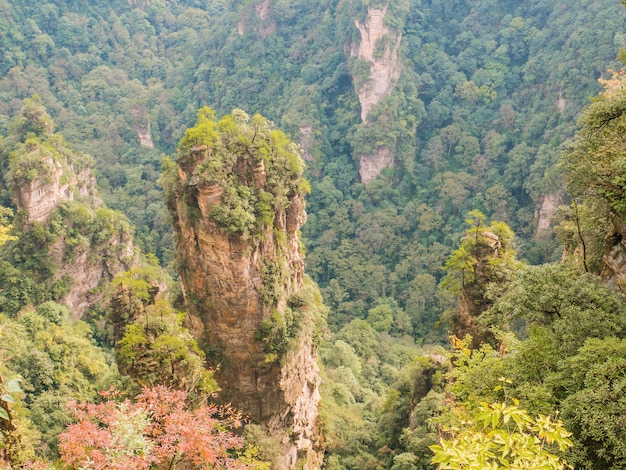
(157, 428)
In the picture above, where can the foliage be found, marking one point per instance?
(371, 386)
(151, 343)
(594, 165)
(156, 428)
(483, 264)
(157, 349)
(484, 256)
(595, 161)
(260, 442)
(257, 168)
(14, 445)
(594, 409)
(574, 306)
(37, 267)
(476, 372)
(8, 390)
(56, 359)
(502, 435)
(489, 91)
(5, 226)
(280, 331)
(568, 321)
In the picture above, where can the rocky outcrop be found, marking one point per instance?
(39, 197)
(472, 300)
(614, 258)
(484, 263)
(549, 206)
(89, 268)
(52, 186)
(300, 384)
(306, 139)
(141, 124)
(379, 46)
(370, 165)
(241, 268)
(265, 24)
(85, 265)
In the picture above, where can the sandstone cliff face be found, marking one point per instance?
(238, 281)
(550, 203)
(379, 48)
(53, 186)
(370, 165)
(87, 265)
(91, 267)
(39, 197)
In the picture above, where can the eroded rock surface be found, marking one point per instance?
(240, 281)
(370, 165)
(614, 271)
(550, 203)
(379, 46)
(53, 186)
(41, 196)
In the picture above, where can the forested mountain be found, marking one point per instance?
(440, 203)
(485, 95)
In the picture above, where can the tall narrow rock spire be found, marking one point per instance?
(237, 199)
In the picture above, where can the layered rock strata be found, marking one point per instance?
(41, 196)
(88, 266)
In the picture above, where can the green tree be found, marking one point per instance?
(5, 226)
(501, 435)
(483, 264)
(596, 160)
(594, 409)
(572, 305)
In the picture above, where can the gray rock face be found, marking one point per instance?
(385, 70)
(41, 196)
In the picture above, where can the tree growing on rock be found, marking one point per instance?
(484, 260)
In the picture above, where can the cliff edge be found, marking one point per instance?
(80, 244)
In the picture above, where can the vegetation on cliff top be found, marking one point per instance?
(257, 168)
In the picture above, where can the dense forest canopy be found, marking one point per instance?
(487, 94)
(440, 138)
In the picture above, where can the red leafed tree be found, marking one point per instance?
(156, 430)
